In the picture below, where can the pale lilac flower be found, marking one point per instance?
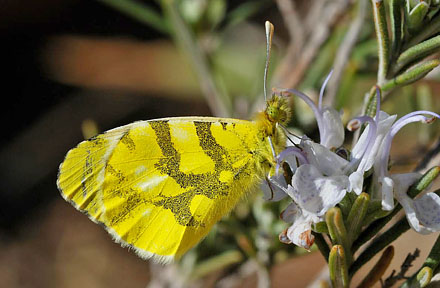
(323, 178)
(313, 194)
(319, 183)
(373, 150)
(274, 186)
(422, 213)
(300, 232)
(384, 184)
(366, 149)
(331, 129)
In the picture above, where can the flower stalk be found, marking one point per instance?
(322, 245)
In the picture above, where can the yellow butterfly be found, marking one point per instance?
(158, 186)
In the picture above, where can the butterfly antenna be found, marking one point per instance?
(269, 35)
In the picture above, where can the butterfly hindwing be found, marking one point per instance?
(159, 186)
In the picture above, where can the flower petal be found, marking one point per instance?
(316, 193)
(383, 127)
(356, 182)
(327, 162)
(423, 214)
(333, 129)
(291, 213)
(428, 211)
(387, 193)
(273, 192)
(301, 235)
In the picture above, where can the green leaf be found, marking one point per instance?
(416, 16)
(346, 203)
(424, 181)
(433, 259)
(337, 230)
(418, 52)
(410, 4)
(411, 75)
(395, 7)
(429, 29)
(422, 279)
(338, 267)
(357, 214)
(380, 25)
(141, 12)
(372, 101)
(374, 212)
(320, 227)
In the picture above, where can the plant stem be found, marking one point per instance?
(219, 103)
(322, 245)
(140, 12)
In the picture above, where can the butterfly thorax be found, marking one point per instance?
(277, 113)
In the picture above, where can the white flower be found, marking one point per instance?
(313, 194)
(300, 232)
(384, 185)
(373, 150)
(366, 149)
(422, 213)
(331, 129)
(319, 183)
(273, 192)
(328, 162)
(323, 178)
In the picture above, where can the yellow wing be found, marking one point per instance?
(158, 186)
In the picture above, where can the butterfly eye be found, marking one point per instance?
(278, 110)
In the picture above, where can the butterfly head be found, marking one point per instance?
(278, 110)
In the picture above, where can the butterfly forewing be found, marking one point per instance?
(160, 185)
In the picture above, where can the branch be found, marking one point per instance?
(344, 52)
(289, 73)
(219, 103)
